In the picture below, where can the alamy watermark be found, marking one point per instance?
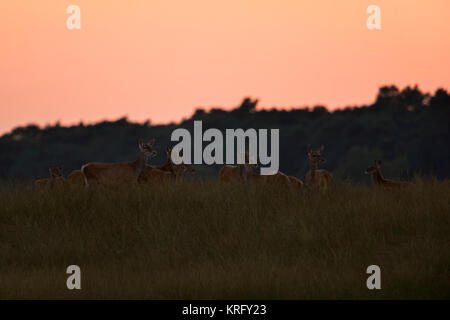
(374, 20)
(213, 153)
(74, 280)
(73, 22)
(374, 280)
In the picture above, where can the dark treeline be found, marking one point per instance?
(407, 129)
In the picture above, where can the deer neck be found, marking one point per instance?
(140, 163)
(312, 168)
(378, 177)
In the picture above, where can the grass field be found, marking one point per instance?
(201, 240)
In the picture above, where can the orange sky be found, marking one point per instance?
(161, 59)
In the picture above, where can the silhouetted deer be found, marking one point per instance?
(76, 178)
(120, 172)
(379, 180)
(241, 172)
(167, 172)
(56, 178)
(317, 178)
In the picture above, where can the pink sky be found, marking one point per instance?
(160, 60)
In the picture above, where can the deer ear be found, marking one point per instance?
(308, 148)
(140, 143)
(322, 147)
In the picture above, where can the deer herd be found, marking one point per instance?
(138, 171)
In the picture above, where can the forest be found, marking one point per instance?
(405, 128)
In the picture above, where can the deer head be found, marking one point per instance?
(374, 167)
(169, 161)
(316, 156)
(168, 154)
(178, 168)
(56, 172)
(147, 148)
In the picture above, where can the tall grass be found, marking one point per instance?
(201, 240)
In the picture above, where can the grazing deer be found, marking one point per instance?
(56, 178)
(279, 180)
(317, 178)
(379, 180)
(241, 172)
(151, 174)
(76, 178)
(182, 168)
(120, 172)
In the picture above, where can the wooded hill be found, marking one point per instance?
(407, 129)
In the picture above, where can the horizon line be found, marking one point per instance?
(310, 108)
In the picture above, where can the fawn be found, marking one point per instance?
(379, 180)
(56, 178)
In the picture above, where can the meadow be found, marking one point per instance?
(203, 240)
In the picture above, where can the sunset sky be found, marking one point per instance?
(160, 60)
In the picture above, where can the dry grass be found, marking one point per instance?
(201, 240)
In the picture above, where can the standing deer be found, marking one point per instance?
(76, 178)
(120, 172)
(56, 178)
(317, 178)
(241, 172)
(379, 180)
